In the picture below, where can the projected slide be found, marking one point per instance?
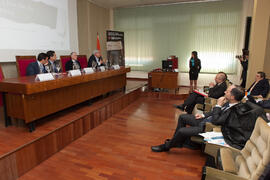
(34, 25)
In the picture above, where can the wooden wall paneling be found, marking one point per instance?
(86, 124)
(102, 114)
(65, 136)
(96, 118)
(92, 120)
(8, 168)
(26, 158)
(45, 147)
(78, 128)
(14, 104)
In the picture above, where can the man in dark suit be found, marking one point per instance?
(95, 60)
(263, 103)
(51, 62)
(73, 64)
(260, 87)
(215, 91)
(37, 67)
(218, 116)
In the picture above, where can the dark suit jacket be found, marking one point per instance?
(92, 60)
(52, 68)
(69, 65)
(218, 90)
(218, 116)
(237, 122)
(261, 88)
(33, 69)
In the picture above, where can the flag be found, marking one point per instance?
(98, 43)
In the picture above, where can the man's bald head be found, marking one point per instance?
(221, 77)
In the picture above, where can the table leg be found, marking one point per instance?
(7, 118)
(31, 127)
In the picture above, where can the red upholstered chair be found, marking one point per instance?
(83, 60)
(22, 63)
(64, 60)
(1, 78)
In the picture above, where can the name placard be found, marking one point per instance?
(76, 72)
(88, 70)
(44, 77)
(102, 68)
(116, 67)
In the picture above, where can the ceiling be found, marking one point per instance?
(134, 3)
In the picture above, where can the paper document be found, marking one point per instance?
(214, 138)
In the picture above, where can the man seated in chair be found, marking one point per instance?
(215, 91)
(73, 64)
(51, 66)
(262, 103)
(260, 87)
(37, 67)
(96, 60)
(218, 116)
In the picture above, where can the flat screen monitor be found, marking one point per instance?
(167, 65)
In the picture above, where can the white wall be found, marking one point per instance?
(204, 79)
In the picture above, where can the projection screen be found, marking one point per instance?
(28, 27)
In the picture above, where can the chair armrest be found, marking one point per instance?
(210, 127)
(207, 100)
(216, 174)
(212, 149)
(267, 110)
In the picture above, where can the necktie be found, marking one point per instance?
(225, 107)
(209, 119)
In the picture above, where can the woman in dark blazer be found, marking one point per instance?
(194, 70)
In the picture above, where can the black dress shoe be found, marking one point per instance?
(162, 148)
(181, 107)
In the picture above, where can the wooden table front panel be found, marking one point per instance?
(31, 107)
(168, 80)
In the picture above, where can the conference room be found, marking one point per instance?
(138, 89)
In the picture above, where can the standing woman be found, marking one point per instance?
(194, 70)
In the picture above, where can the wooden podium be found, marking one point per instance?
(166, 80)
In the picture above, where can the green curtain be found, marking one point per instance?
(153, 33)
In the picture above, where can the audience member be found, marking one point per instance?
(215, 91)
(262, 103)
(220, 113)
(260, 87)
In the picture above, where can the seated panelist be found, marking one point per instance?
(73, 64)
(51, 66)
(96, 60)
(37, 67)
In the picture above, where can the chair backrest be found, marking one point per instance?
(255, 156)
(1, 78)
(64, 60)
(83, 61)
(22, 63)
